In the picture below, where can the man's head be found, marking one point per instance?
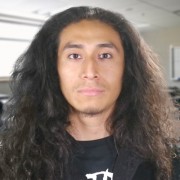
(90, 66)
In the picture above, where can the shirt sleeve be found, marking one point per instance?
(145, 171)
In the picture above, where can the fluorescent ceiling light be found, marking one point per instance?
(17, 31)
(140, 25)
(22, 14)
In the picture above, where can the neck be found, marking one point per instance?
(85, 127)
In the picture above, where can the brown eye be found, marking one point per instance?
(105, 56)
(74, 56)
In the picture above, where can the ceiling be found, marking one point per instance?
(145, 14)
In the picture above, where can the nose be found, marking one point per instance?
(90, 69)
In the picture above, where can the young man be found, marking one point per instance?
(88, 102)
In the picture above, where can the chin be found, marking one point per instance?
(91, 111)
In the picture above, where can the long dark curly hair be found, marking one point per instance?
(34, 143)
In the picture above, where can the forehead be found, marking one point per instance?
(89, 30)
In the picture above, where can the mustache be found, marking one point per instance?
(90, 86)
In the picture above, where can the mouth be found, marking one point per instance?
(91, 91)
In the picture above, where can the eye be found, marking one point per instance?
(105, 56)
(74, 56)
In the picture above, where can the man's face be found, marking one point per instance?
(90, 66)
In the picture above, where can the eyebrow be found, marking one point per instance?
(70, 45)
(108, 45)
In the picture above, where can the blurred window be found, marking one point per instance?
(14, 40)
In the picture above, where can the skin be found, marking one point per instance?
(90, 66)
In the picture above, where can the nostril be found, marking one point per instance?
(90, 76)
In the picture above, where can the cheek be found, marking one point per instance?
(67, 79)
(63, 80)
(117, 80)
(64, 77)
(65, 86)
(114, 75)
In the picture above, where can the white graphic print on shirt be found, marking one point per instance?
(105, 174)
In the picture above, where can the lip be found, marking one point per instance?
(91, 91)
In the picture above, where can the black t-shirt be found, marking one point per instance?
(95, 160)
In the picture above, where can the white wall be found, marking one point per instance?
(160, 41)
